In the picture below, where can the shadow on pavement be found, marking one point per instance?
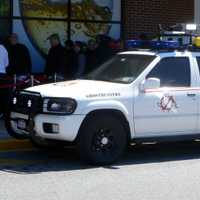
(68, 160)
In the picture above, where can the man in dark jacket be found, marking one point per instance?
(19, 57)
(70, 59)
(80, 60)
(91, 56)
(103, 50)
(55, 62)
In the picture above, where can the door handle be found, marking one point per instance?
(191, 94)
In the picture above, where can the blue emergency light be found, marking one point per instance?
(137, 44)
(134, 43)
(164, 44)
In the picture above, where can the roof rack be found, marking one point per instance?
(169, 41)
(164, 46)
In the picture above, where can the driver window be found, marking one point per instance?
(172, 72)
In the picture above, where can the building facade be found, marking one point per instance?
(35, 20)
(145, 15)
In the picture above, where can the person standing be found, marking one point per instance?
(91, 56)
(70, 55)
(80, 60)
(104, 52)
(55, 61)
(19, 57)
(4, 92)
(4, 61)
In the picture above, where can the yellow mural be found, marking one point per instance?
(39, 30)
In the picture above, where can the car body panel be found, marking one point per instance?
(142, 109)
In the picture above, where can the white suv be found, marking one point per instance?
(137, 96)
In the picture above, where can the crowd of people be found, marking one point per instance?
(70, 61)
(75, 59)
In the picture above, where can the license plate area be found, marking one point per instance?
(20, 120)
(22, 124)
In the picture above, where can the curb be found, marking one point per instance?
(12, 144)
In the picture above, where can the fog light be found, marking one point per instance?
(55, 128)
(51, 128)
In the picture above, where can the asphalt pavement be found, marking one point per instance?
(148, 172)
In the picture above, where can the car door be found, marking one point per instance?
(197, 58)
(172, 108)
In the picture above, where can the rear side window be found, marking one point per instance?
(172, 72)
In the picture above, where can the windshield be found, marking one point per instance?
(123, 68)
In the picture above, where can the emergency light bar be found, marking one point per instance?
(170, 40)
(191, 27)
(140, 44)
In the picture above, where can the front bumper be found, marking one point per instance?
(68, 126)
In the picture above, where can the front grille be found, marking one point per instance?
(26, 103)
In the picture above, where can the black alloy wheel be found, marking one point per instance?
(102, 139)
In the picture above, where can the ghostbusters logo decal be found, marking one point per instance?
(167, 103)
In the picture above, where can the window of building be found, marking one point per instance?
(5, 20)
(172, 72)
(35, 20)
(5, 8)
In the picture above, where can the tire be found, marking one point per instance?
(102, 139)
(10, 130)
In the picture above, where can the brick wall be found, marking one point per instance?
(145, 15)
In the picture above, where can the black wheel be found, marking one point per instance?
(9, 124)
(102, 139)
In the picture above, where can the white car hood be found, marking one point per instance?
(79, 89)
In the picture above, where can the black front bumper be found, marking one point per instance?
(27, 103)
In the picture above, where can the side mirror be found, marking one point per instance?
(150, 83)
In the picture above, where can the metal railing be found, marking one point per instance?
(22, 81)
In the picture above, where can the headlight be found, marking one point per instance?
(64, 106)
